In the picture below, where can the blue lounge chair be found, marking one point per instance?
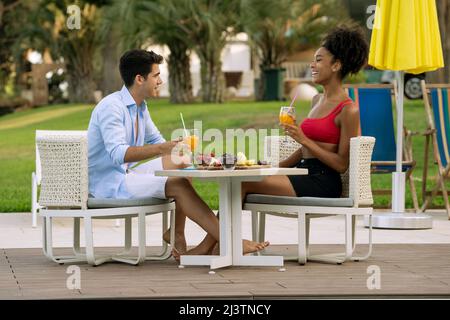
(438, 132)
(376, 115)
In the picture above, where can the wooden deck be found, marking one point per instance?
(406, 270)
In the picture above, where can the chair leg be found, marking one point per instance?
(370, 243)
(445, 193)
(262, 227)
(165, 227)
(353, 232)
(141, 241)
(76, 237)
(165, 252)
(255, 229)
(348, 237)
(307, 229)
(89, 241)
(302, 238)
(34, 203)
(128, 233)
(412, 187)
(47, 244)
(255, 225)
(425, 170)
(90, 254)
(164, 245)
(439, 186)
(435, 190)
(350, 244)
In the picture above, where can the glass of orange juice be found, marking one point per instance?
(191, 139)
(287, 115)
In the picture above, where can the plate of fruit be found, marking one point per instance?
(227, 162)
(243, 163)
(207, 162)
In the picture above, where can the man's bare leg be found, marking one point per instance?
(169, 163)
(196, 209)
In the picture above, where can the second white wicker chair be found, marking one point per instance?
(64, 194)
(358, 201)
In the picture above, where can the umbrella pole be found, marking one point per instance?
(398, 177)
(398, 219)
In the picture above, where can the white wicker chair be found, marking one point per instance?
(64, 193)
(358, 201)
(36, 175)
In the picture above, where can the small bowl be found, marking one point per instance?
(228, 166)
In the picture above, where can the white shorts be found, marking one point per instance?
(141, 181)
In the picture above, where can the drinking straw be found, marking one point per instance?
(292, 102)
(182, 120)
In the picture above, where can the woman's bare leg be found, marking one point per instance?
(271, 185)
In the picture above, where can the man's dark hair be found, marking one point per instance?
(347, 44)
(137, 62)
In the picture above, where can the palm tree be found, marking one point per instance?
(277, 28)
(443, 75)
(184, 25)
(76, 48)
(208, 24)
(12, 18)
(154, 21)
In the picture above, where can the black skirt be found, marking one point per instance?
(321, 181)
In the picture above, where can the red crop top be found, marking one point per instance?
(324, 129)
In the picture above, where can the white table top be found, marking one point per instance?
(231, 173)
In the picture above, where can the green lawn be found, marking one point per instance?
(17, 151)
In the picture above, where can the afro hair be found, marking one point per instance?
(347, 44)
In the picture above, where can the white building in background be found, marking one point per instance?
(236, 65)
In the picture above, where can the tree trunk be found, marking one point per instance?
(81, 88)
(212, 77)
(443, 75)
(110, 76)
(2, 10)
(259, 96)
(80, 74)
(180, 82)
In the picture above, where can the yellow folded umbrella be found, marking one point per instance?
(406, 36)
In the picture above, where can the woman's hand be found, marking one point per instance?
(295, 132)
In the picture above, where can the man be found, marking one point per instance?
(122, 133)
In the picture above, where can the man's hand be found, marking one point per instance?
(166, 147)
(135, 154)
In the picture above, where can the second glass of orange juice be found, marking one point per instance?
(287, 115)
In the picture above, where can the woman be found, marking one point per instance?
(333, 120)
(324, 135)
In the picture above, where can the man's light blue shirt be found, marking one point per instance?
(111, 132)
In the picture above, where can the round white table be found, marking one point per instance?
(230, 208)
